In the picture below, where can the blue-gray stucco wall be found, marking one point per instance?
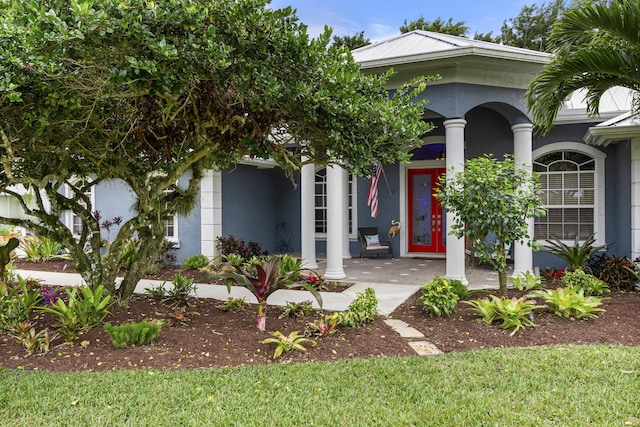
(255, 201)
(114, 198)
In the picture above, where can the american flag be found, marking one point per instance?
(372, 198)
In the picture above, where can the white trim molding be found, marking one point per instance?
(599, 179)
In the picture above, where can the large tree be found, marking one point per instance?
(596, 46)
(437, 26)
(351, 42)
(531, 28)
(146, 92)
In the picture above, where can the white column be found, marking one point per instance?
(346, 254)
(454, 131)
(635, 198)
(522, 150)
(335, 269)
(210, 212)
(308, 217)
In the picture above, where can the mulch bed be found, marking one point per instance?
(211, 337)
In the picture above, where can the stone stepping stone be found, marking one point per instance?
(403, 329)
(425, 348)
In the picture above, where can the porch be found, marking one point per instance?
(408, 271)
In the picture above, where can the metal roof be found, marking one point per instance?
(613, 102)
(409, 47)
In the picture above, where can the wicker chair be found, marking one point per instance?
(371, 243)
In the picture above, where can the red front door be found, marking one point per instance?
(426, 217)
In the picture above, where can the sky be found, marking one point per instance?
(382, 19)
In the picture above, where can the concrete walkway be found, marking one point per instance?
(393, 280)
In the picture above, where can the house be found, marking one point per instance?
(589, 168)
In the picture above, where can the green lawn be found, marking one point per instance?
(567, 386)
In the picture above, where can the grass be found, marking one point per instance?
(563, 386)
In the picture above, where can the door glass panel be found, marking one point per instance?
(421, 209)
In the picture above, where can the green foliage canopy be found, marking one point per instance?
(492, 196)
(596, 46)
(144, 91)
(438, 25)
(351, 42)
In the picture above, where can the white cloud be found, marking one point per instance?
(377, 32)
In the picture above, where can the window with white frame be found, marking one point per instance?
(571, 177)
(321, 204)
(74, 222)
(171, 226)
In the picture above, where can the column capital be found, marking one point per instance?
(455, 123)
(522, 127)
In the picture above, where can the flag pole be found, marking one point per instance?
(385, 180)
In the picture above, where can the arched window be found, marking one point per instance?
(321, 203)
(572, 183)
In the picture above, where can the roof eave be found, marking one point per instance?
(535, 58)
(604, 136)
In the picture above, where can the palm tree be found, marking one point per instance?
(596, 46)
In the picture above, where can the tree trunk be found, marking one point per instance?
(150, 247)
(502, 277)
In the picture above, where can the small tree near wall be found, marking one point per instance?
(492, 196)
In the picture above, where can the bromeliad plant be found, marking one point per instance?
(526, 281)
(17, 303)
(569, 302)
(81, 313)
(578, 254)
(296, 309)
(325, 325)
(265, 276)
(287, 343)
(514, 312)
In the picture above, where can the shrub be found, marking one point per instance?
(81, 313)
(552, 276)
(41, 249)
(232, 305)
(485, 307)
(264, 276)
(617, 271)
(157, 291)
(182, 288)
(16, 304)
(325, 325)
(231, 245)
(438, 297)
(290, 266)
(579, 280)
(26, 335)
(287, 343)
(132, 334)
(363, 309)
(461, 290)
(514, 312)
(196, 262)
(578, 254)
(296, 309)
(526, 281)
(568, 302)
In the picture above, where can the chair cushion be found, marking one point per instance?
(373, 241)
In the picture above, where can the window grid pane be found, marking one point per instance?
(321, 201)
(567, 183)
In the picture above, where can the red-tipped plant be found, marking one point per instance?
(263, 277)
